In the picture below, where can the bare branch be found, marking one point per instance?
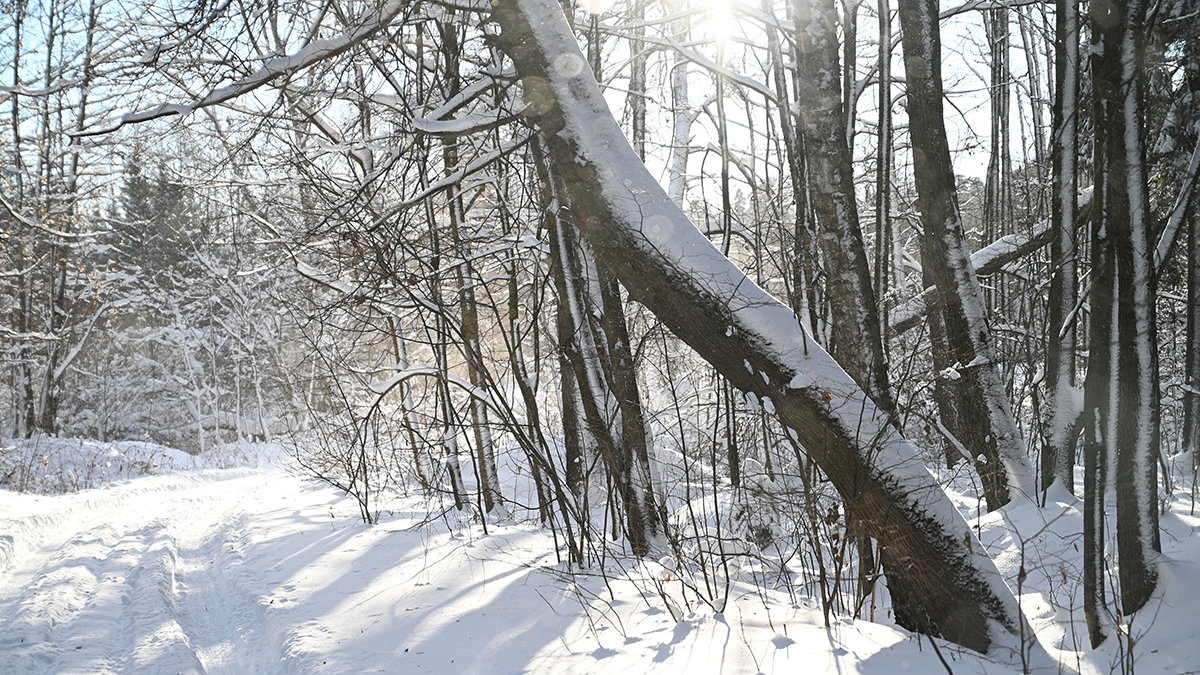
(273, 69)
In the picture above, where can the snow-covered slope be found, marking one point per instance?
(243, 571)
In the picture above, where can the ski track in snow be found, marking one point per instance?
(127, 580)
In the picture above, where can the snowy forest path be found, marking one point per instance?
(132, 580)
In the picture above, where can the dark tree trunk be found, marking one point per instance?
(622, 378)
(944, 397)
(1191, 393)
(988, 430)
(997, 199)
(608, 414)
(883, 175)
(855, 339)
(802, 296)
(1098, 403)
(1058, 453)
(1121, 226)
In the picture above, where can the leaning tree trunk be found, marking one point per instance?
(989, 431)
(752, 339)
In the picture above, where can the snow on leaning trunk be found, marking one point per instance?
(754, 340)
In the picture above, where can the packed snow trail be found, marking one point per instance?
(244, 572)
(260, 572)
(130, 580)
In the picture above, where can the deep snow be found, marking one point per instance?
(243, 571)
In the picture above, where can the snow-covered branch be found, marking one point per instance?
(1183, 206)
(988, 260)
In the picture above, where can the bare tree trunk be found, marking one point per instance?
(681, 131)
(1058, 453)
(856, 342)
(636, 98)
(24, 410)
(673, 270)
(1191, 392)
(1098, 405)
(950, 426)
(883, 174)
(603, 414)
(1118, 48)
(997, 201)
(802, 263)
(61, 250)
(485, 453)
(989, 431)
(450, 426)
(408, 415)
(622, 378)
(56, 279)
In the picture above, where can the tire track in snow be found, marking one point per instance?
(225, 620)
(97, 584)
(34, 631)
(56, 518)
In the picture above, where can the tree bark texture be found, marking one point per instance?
(856, 342)
(1191, 394)
(997, 199)
(592, 325)
(884, 262)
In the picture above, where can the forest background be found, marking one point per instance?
(427, 244)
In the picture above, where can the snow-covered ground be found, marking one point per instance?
(245, 571)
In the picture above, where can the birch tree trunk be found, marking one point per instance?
(681, 130)
(752, 339)
(989, 432)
